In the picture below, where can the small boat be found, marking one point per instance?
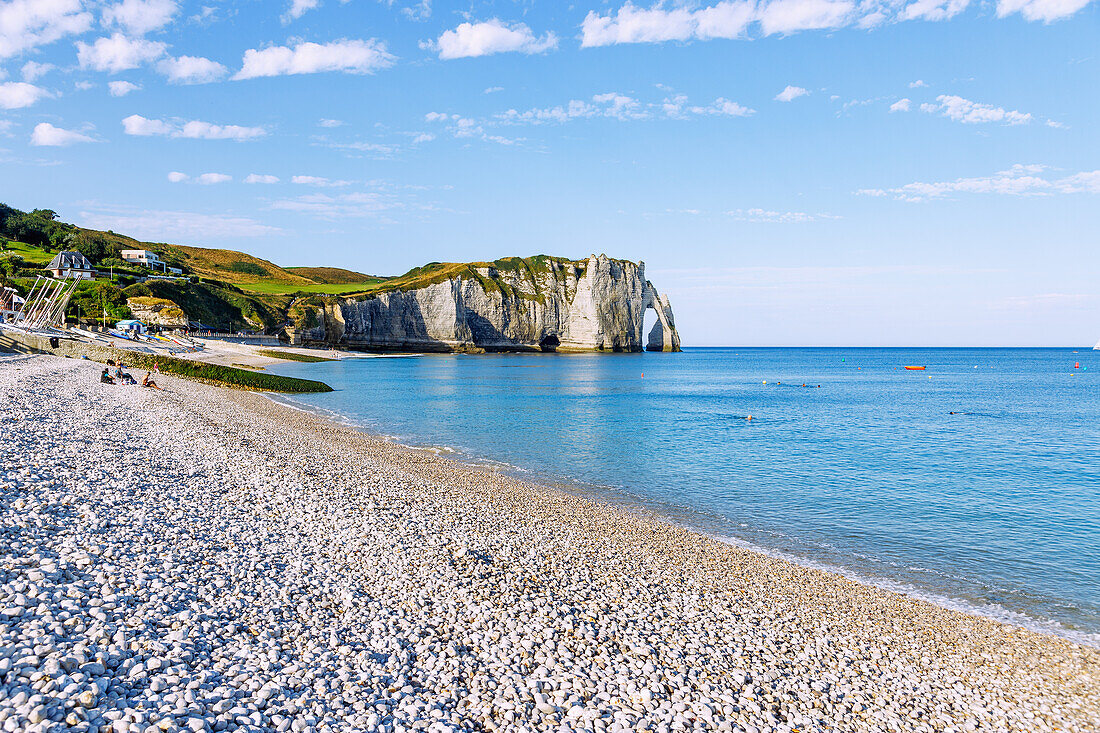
(915, 368)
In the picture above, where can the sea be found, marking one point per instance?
(973, 483)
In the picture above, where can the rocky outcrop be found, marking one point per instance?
(530, 304)
(157, 312)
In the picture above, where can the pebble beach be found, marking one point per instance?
(204, 559)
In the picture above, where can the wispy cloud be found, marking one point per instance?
(297, 9)
(1046, 11)
(970, 112)
(765, 216)
(261, 178)
(319, 181)
(731, 19)
(174, 226)
(197, 129)
(205, 179)
(1019, 180)
(902, 105)
(791, 93)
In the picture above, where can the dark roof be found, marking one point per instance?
(69, 261)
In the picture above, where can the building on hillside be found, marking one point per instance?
(130, 326)
(143, 257)
(71, 265)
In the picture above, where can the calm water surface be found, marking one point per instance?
(995, 508)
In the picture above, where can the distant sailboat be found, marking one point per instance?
(1097, 347)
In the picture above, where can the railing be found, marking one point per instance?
(256, 339)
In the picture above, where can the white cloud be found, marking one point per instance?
(175, 226)
(177, 177)
(208, 179)
(117, 53)
(317, 181)
(323, 122)
(419, 11)
(723, 106)
(32, 70)
(791, 93)
(121, 88)
(493, 90)
(298, 8)
(917, 84)
(969, 112)
(1044, 10)
(353, 57)
(260, 178)
(791, 16)
(138, 125)
(902, 105)
(424, 137)
(685, 21)
(47, 135)
(27, 24)
(208, 131)
(489, 37)
(631, 24)
(1019, 180)
(191, 70)
(138, 17)
(933, 9)
(19, 94)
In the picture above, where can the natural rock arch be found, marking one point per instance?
(663, 336)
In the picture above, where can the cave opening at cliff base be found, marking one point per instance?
(550, 343)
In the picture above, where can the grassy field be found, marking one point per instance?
(290, 355)
(29, 253)
(224, 375)
(333, 275)
(271, 287)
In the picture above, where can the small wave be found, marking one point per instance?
(992, 611)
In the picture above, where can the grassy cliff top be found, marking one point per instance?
(528, 268)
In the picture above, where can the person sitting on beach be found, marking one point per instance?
(147, 382)
(106, 378)
(124, 377)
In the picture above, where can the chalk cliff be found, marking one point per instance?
(515, 304)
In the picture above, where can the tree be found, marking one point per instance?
(93, 298)
(9, 264)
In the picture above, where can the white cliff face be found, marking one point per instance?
(596, 304)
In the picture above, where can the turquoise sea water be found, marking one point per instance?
(994, 509)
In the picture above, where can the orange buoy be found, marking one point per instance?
(916, 368)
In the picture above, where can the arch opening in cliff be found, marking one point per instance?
(663, 336)
(649, 321)
(550, 343)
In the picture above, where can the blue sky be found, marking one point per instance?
(828, 172)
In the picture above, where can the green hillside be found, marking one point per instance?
(226, 289)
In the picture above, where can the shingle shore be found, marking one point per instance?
(204, 559)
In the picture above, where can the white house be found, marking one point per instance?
(143, 257)
(71, 265)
